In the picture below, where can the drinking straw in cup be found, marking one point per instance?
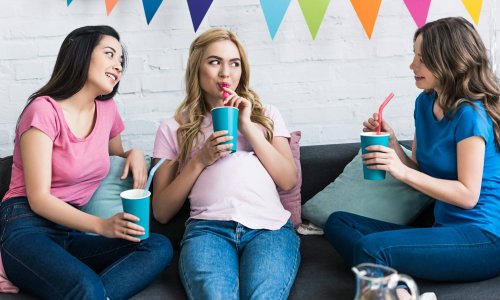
(379, 128)
(152, 173)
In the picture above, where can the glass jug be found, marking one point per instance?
(375, 282)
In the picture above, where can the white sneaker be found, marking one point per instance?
(309, 229)
(428, 296)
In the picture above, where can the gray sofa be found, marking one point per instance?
(322, 273)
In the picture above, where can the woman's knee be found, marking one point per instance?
(337, 220)
(160, 248)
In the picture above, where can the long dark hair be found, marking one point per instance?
(72, 65)
(455, 54)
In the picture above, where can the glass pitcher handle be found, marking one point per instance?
(410, 283)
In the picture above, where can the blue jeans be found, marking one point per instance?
(226, 260)
(459, 253)
(51, 261)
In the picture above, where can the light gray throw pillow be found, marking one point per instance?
(387, 200)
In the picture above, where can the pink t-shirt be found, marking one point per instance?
(236, 187)
(78, 164)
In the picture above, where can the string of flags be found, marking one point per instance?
(313, 10)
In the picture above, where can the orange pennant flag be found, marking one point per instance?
(367, 11)
(110, 4)
(474, 8)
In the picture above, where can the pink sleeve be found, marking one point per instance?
(166, 145)
(118, 125)
(280, 128)
(40, 114)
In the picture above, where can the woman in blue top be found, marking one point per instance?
(455, 160)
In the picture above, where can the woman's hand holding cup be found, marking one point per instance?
(121, 225)
(212, 150)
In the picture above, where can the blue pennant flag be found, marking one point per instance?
(150, 8)
(274, 11)
(198, 10)
(68, 2)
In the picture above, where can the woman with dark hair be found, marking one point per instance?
(455, 160)
(64, 138)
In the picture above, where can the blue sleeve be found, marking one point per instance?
(472, 121)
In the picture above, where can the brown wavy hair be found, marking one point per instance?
(455, 54)
(193, 108)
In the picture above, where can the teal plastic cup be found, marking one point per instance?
(226, 118)
(372, 139)
(136, 202)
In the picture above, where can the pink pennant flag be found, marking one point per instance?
(110, 4)
(419, 9)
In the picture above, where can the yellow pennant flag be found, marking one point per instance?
(367, 11)
(110, 4)
(474, 8)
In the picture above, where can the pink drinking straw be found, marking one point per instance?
(379, 128)
(224, 94)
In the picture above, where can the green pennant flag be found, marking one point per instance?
(314, 12)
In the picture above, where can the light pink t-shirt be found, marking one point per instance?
(236, 187)
(78, 164)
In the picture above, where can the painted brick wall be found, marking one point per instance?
(324, 87)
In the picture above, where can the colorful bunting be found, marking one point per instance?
(474, 8)
(367, 11)
(150, 8)
(110, 4)
(198, 10)
(314, 12)
(419, 9)
(274, 11)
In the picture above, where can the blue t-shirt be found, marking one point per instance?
(436, 155)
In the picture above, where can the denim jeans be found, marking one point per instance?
(226, 260)
(51, 261)
(458, 253)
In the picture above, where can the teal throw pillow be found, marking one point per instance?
(106, 200)
(387, 200)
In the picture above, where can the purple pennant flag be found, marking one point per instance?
(68, 2)
(198, 10)
(150, 8)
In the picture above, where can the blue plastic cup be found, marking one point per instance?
(226, 118)
(371, 139)
(136, 202)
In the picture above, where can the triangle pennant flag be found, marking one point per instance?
(150, 8)
(474, 8)
(367, 11)
(419, 9)
(274, 11)
(314, 12)
(198, 10)
(68, 2)
(110, 4)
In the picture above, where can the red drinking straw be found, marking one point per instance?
(380, 111)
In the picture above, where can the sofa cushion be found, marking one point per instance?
(106, 200)
(388, 200)
(5, 172)
(291, 199)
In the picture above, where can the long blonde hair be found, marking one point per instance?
(193, 108)
(455, 54)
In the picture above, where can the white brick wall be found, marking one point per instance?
(325, 87)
